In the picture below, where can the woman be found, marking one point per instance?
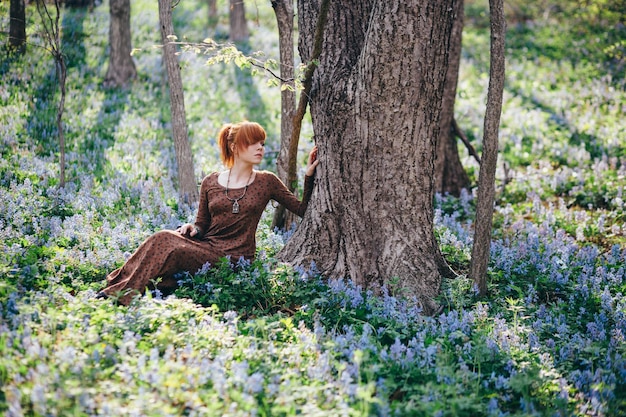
(231, 205)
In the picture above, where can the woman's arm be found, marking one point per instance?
(285, 197)
(203, 218)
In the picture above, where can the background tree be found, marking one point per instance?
(121, 65)
(450, 176)
(79, 3)
(212, 13)
(17, 26)
(238, 24)
(375, 105)
(486, 178)
(187, 187)
(281, 220)
(52, 37)
(284, 11)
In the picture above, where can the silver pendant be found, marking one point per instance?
(235, 207)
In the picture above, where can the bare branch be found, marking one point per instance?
(461, 135)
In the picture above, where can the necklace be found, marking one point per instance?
(236, 200)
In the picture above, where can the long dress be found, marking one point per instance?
(222, 233)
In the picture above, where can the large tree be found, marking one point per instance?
(376, 106)
(121, 65)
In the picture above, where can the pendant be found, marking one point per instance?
(235, 207)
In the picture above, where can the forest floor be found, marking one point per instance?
(272, 340)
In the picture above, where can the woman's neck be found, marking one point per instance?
(240, 173)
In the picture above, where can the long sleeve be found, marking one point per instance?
(203, 218)
(282, 195)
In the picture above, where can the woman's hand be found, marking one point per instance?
(313, 161)
(188, 229)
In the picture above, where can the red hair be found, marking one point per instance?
(237, 136)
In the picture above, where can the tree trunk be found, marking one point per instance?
(489, 160)
(121, 65)
(61, 70)
(212, 13)
(238, 24)
(17, 26)
(375, 105)
(188, 189)
(284, 17)
(52, 36)
(450, 176)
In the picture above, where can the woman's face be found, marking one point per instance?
(252, 154)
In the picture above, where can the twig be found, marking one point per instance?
(458, 132)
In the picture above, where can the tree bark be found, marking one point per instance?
(489, 160)
(17, 26)
(121, 65)
(376, 105)
(238, 25)
(450, 176)
(188, 189)
(284, 11)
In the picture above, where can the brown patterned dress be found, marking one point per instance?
(222, 233)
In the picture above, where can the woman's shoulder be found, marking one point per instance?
(267, 177)
(266, 174)
(269, 181)
(211, 175)
(209, 178)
